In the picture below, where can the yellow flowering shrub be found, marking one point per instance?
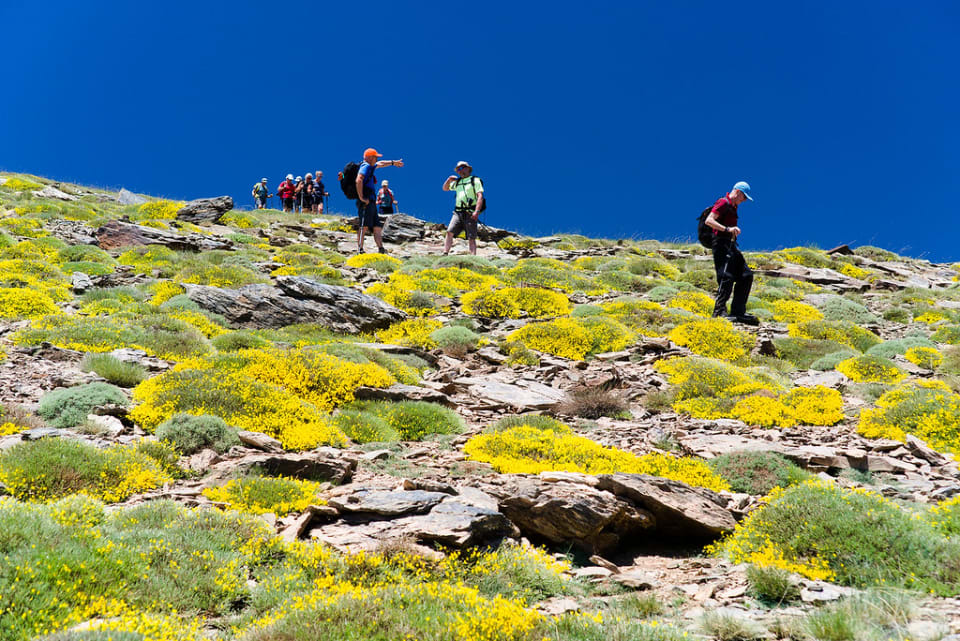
(927, 357)
(529, 450)
(536, 302)
(285, 394)
(763, 411)
(260, 495)
(843, 332)
(696, 377)
(49, 469)
(646, 318)
(25, 303)
(853, 271)
(817, 405)
(554, 274)
(511, 242)
(927, 409)
(239, 219)
(945, 516)
(21, 184)
(36, 275)
(790, 311)
(197, 320)
(158, 210)
(451, 281)
(713, 338)
(164, 290)
(413, 333)
(574, 338)
(822, 531)
(145, 260)
(871, 369)
(930, 317)
(380, 262)
(26, 227)
(696, 302)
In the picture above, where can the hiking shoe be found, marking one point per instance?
(383, 250)
(744, 319)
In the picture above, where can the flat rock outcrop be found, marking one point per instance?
(296, 299)
(204, 210)
(116, 234)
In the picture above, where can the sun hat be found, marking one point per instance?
(309, 175)
(385, 183)
(743, 188)
(263, 180)
(370, 151)
(463, 163)
(289, 176)
(299, 178)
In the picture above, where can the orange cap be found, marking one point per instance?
(372, 152)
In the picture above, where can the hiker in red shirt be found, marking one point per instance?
(285, 191)
(733, 274)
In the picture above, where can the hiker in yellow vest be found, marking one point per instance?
(468, 205)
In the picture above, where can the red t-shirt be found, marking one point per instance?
(726, 213)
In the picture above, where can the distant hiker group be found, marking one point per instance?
(295, 194)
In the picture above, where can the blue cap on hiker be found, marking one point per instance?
(743, 188)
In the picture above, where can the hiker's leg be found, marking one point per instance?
(452, 230)
(448, 243)
(378, 236)
(743, 279)
(721, 254)
(473, 246)
(470, 229)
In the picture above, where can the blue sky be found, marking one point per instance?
(613, 119)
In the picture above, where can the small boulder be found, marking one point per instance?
(205, 210)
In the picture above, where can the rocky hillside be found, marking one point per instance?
(225, 424)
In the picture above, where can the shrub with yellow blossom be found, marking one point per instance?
(379, 262)
(646, 318)
(763, 411)
(50, 469)
(511, 243)
(21, 184)
(713, 338)
(926, 357)
(536, 302)
(843, 332)
(696, 302)
(285, 394)
(164, 290)
(555, 274)
(25, 303)
(791, 311)
(945, 516)
(527, 449)
(158, 210)
(262, 494)
(574, 338)
(927, 409)
(413, 333)
(817, 405)
(817, 529)
(871, 369)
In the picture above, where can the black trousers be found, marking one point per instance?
(733, 276)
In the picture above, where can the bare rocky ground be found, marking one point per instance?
(628, 534)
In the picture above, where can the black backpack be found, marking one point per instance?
(705, 233)
(348, 180)
(483, 207)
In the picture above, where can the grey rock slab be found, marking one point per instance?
(296, 300)
(116, 234)
(259, 441)
(387, 503)
(129, 198)
(713, 445)
(111, 425)
(822, 592)
(80, 282)
(52, 192)
(402, 392)
(812, 378)
(315, 466)
(457, 524)
(679, 509)
(205, 210)
(591, 572)
(522, 396)
(401, 228)
(558, 606)
(139, 357)
(635, 579)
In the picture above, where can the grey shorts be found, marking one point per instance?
(463, 222)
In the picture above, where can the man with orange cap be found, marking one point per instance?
(367, 195)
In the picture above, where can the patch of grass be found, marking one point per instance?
(757, 472)
(589, 402)
(189, 434)
(114, 370)
(53, 468)
(455, 341)
(720, 626)
(803, 352)
(235, 341)
(838, 308)
(772, 585)
(262, 494)
(889, 349)
(69, 407)
(538, 421)
(830, 361)
(413, 420)
(365, 427)
(877, 615)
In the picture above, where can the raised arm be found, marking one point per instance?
(449, 182)
(390, 163)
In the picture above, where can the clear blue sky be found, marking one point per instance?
(612, 119)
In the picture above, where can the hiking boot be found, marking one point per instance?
(744, 319)
(383, 250)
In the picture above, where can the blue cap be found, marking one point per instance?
(743, 188)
